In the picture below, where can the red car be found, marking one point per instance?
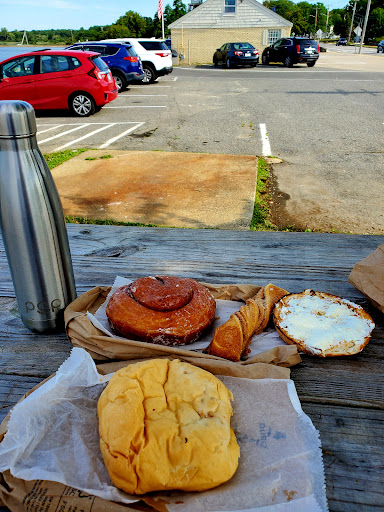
(58, 79)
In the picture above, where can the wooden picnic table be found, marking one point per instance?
(343, 396)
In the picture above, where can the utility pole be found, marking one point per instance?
(365, 24)
(326, 26)
(350, 28)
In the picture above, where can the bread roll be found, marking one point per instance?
(322, 324)
(162, 309)
(166, 425)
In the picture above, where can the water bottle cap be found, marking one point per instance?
(17, 119)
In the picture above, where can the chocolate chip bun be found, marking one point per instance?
(322, 324)
(166, 425)
(161, 309)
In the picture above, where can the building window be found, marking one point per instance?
(229, 6)
(273, 35)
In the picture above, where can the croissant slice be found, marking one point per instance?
(227, 340)
(231, 340)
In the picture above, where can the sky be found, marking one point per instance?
(74, 14)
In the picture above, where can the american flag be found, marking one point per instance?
(160, 10)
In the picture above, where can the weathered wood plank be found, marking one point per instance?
(353, 456)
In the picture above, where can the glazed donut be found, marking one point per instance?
(161, 309)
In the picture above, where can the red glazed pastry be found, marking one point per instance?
(161, 309)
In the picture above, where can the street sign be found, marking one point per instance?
(358, 31)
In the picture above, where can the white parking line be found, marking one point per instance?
(85, 136)
(48, 129)
(140, 106)
(63, 133)
(110, 141)
(142, 96)
(146, 86)
(266, 148)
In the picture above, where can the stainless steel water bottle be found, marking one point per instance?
(32, 223)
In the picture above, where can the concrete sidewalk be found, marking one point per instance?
(193, 190)
(351, 61)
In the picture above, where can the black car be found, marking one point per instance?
(380, 47)
(341, 42)
(292, 50)
(236, 54)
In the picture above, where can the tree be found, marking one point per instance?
(134, 22)
(3, 34)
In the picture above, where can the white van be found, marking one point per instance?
(155, 56)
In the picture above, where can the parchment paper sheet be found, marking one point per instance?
(53, 435)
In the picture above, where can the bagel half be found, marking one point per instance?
(322, 324)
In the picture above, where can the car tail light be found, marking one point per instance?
(162, 54)
(298, 48)
(318, 48)
(256, 52)
(131, 59)
(238, 53)
(100, 75)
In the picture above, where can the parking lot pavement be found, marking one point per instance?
(109, 127)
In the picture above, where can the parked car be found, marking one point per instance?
(58, 79)
(292, 50)
(380, 47)
(121, 59)
(155, 56)
(341, 42)
(169, 46)
(236, 54)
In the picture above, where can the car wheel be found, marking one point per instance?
(228, 63)
(254, 65)
(265, 60)
(215, 63)
(82, 104)
(149, 74)
(311, 64)
(120, 81)
(288, 62)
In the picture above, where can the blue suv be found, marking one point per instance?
(121, 59)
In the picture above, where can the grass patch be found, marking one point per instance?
(261, 210)
(57, 158)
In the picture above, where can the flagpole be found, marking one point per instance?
(162, 24)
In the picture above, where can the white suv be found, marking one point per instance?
(155, 56)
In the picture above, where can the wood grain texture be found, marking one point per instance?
(343, 396)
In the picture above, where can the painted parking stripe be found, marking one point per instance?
(140, 106)
(143, 96)
(266, 147)
(146, 86)
(48, 129)
(85, 136)
(111, 141)
(63, 133)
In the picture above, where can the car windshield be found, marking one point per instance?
(100, 63)
(154, 45)
(242, 46)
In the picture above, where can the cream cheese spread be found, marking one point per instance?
(323, 323)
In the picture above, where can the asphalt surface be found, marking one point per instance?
(325, 123)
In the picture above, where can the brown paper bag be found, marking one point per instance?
(367, 276)
(101, 347)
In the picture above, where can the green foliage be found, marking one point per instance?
(57, 158)
(307, 18)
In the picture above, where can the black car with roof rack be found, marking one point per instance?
(292, 50)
